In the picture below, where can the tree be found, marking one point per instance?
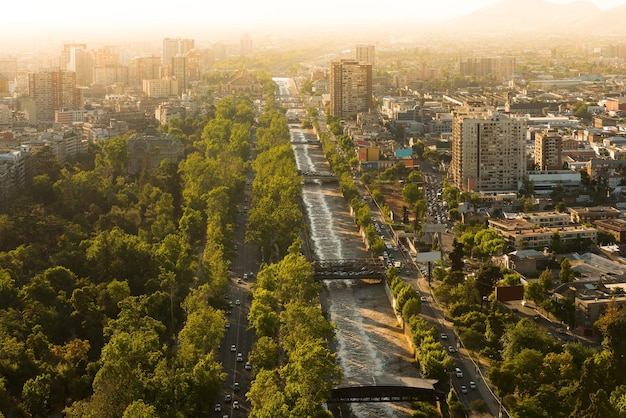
(456, 256)
(411, 193)
(546, 279)
(535, 292)
(140, 409)
(566, 275)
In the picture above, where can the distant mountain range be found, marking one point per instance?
(539, 16)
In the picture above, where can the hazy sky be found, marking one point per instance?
(129, 18)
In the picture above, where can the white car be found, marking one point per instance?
(237, 302)
(233, 348)
(463, 389)
(248, 366)
(235, 404)
(218, 407)
(444, 336)
(239, 357)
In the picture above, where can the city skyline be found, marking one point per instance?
(120, 20)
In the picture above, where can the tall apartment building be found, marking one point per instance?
(488, 150)
(548, 150)
(178, 70)
(143, 68)
(366, 53)
(176, 46)
(245, 44)
(52, 90)
(350, 87)
(499, 68)
(82, 63)
(64, 59)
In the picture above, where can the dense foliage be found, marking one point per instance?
(111, 283)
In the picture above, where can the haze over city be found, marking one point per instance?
(117, 20)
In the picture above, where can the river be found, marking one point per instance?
(370, 346)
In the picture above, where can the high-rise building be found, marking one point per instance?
(350, 87)
(365, 53)
(176, 46)
(64, 59)
(178, 70)
(82, 63)
(548, 150)
(53, 90)
(143, 68)
(488, 150)
(245, 44)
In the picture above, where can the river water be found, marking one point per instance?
(370, 346)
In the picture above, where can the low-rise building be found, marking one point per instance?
(615, 227)
(591, 299)
(520, 234)
(591, 214)
(146, 150)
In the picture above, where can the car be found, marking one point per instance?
(227, 325)
(444, 336)
(239, 357)
(472, 385)
(235, 404)
(218, 407)
(451, 349)
(245, 276)
(236, 387)
(423, 299)
(458, 372)
(248, 366)
(233, 348)
(228, 398)
(237, 302)
(463, 389)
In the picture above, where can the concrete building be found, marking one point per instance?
(350, 88)
(143, 68)
(53, 90)
(520, 234)
(245, 44)
(548, 150)
(615, 227)
(488, 150)
(592, 214)
(243, 84)
(175, 46)
(544, 182)
(164, 87)
(366, 54)
(13, 174)
(178, 70)
(146, 150)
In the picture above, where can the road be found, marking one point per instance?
(245, 265)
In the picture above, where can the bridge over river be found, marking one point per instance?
(363, 268)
